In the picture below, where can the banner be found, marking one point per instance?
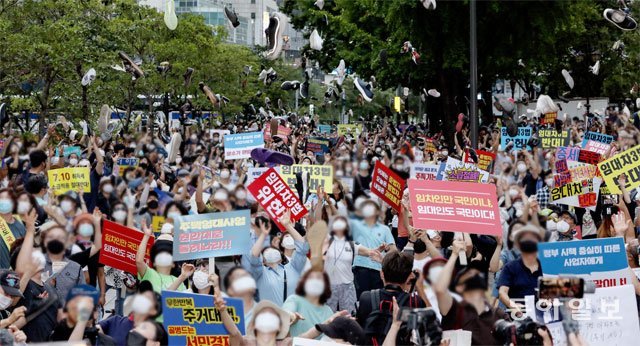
(119, 247)
(626, 162)
(211, 235)
(550, 139)
(580, 171)
(597, 142)
(324, 128)
(583, 194)
(352, 129)
(455, 206)
(255, 172)
(485, 159)
(317, 145)
(424, 171)
(567, 153)
(548, 118)
(221, 133)
(273, 194)
(283, 132)
(68, 150)
(123, 163)
(456, 170)
(519, 141)
(192, 319)
(319, 175)
(602, 260)
(430, 145)
(62, 180)
(590, 157)
(387, 185)
(239, 146)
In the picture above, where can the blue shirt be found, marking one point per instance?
(370, 237)
(520, 280)
(313, 314)
(117, 327)
(271, 282)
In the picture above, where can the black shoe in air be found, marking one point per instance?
(304, 89)
(620, 19)
(364, 89)
(130, 66)
(232, 16)
(187, 76)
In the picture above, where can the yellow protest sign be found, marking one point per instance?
(627, 163)
(69, 179)
(319, 175)
(156, 223)
(353, 129)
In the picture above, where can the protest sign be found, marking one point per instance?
(590, 157)
(602, 260)
(68, 150)
(627, 163)
(211, 235)
(352, 129)
(220, 133)
(583, 194)
(120, 245)
(62, 180)
(387, 185)
(256, 172)
(319, 175)
(156, 223)
(324, 128)
(192, 319)
(455, 206)
(580, 171)
(596, 137)
(123, 163)
(485, 159)
(456, 170)
(347, 182)
(430, 145)
(550, 139)
(239, 146)
(548, 118)
(597, 147)
(317, 145)
(519, 141)
(273, 194)
(424, 171)
(283, 132)
(567, 153)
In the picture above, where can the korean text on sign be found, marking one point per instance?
(627, 163)
(519, 141)
(69, 179)
(239, 146)
(387, 185)
(319, 175)
(119, 247)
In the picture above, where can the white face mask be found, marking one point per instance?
(562, 226)
(434, 273)
(272, 256)
(173, 215)
(513, 193)
(314, 287)
(23, 207)
(66, 205)
(5, 302)
(220, 196)
(224, 174)
(368, 210)
(167, 228)
(288, 243)
(163, 259)
(141, 304)
(521, 167)
(85, 230)
(267, 322)
(244, 284)
(120, 215)
(73, 162)
(552, 225)
(549, 182)
(108, 188)
(241, 194)
(340, 225)
(38, 256)
(201, 279)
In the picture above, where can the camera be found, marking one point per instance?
(423, 324)
(521, 332)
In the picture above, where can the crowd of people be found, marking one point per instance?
(376, 264)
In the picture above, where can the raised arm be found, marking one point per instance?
(140, 264)
(441, 287)
(186, 271)
(97, 234)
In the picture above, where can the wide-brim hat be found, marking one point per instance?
(284, 318)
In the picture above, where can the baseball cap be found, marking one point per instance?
(84, 291)
(571, 214)
(343, 328)
(528, 228)
(10, 283)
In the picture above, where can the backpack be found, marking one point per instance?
(379, 321)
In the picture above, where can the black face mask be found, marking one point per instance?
(528, 246)
(55, 247)
(419, 246)
(152, 204)
(135, 339)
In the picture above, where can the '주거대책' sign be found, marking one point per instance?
(62, 180)
(120, 245)
(192, 319)
(387, 185)
(455, 206)
(211, 235)
(239, 146)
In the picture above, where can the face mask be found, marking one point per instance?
(288, 243)
(178, 160)
(135, 339)
(562, 226)
(55, 246)
(272, 256)
(419, 246)
(244, 284)
(224, 174)
(120, 215)
(201, 279)
(314, 287)
(108, 188)
(66, 206)
(167, 228)
(73, 162)
(41, 201)
(552, 225)
(549, 182)
(368, 210)
(267, 322)
(241, 194)
(85, 230)
(174, 215)
(528, 246)
(475, 282)
(141, 304)
(194, 138)
(364, 166)
(6, 206)
(152, 204)
(434, 273)
(522, 167)
(23, 207)
(513, 193)
(220, 196)
(163, 259)
(5, 302)
(339, 225)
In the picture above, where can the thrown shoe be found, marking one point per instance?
(272, 76)
(304, 89)
(4, 117)
(429, 4)
(164, 67)
(263, 74)
(130, 66)
(315, 41)
(415, 56)
(187, 76)
(383, 56)
(267, 102)
(433, 93)
(364, 89)
(595, 69)
(207, 91)
(170, 18)
(319, 3)
(460, 122)
(231, 16)
(247, 69)
(290, 85)
(512, 127)
(341, 71)
(89, 77)
(274, 35)
(567, 78)
(620, 19)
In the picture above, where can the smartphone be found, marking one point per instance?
(560, 287)
(610, 199)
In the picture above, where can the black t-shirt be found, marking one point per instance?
(62, 332)
(35, 296)
(360, 185)
(529, 184)
(386, 294)
(84, 258)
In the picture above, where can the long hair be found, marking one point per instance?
(327, 286)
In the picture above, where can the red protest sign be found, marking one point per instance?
(485, 159)
(119, 247)
(589, 157)
(276, 197)
(455, 206)
(548, 118)
(387, 185)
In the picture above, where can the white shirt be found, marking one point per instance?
(339, 260)
(419, 264)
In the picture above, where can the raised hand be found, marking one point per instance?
(620, 224)
(187, 270)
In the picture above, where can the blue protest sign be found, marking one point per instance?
(239, 146)
(602, 260)
(69, 150)
(519, 141)
(211, 235)
(324, 128)
(192, 319)
(597, 137)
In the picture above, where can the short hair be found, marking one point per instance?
(326, 294)
(36, 183)
(396, 267)
(37, 158)
(226, 281)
